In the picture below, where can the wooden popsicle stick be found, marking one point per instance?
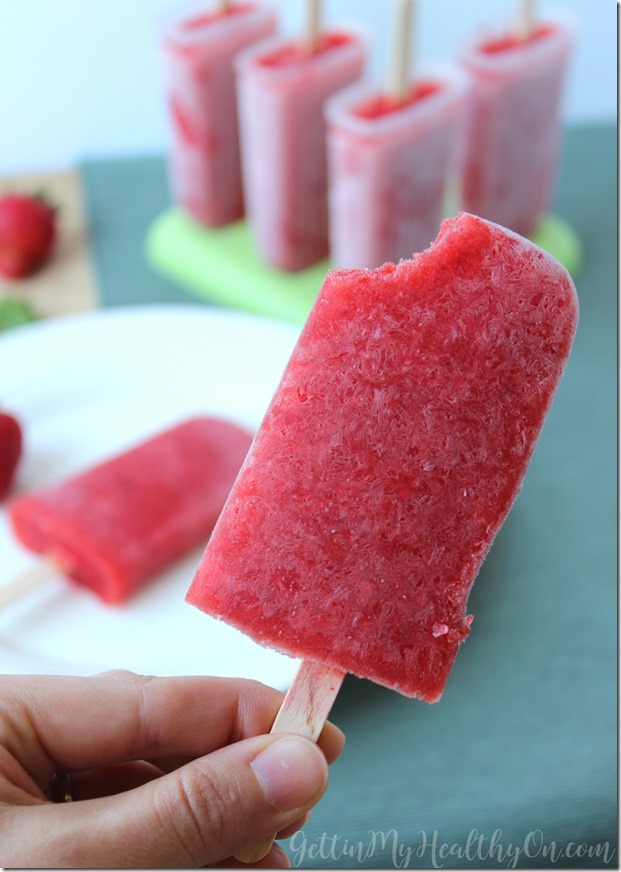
(400, 71)
(312, 26)
(29, 580)
(304, 711)
(526, 19)
(224, 6)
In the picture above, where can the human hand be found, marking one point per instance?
(165, 772)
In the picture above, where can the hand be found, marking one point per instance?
(164, 772)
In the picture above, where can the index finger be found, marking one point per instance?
(80, 723)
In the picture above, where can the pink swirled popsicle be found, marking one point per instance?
(282, 87)
(199, 45)
(513, 120)
(392, 151)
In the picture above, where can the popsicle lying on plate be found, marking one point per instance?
(115, 526)
(391, 454)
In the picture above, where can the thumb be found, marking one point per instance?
(239, 795)
(200, 814)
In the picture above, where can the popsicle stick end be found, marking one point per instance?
(28, 581)
(304, 711)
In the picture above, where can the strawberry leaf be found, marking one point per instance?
(14, 313)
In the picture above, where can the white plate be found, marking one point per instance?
(86, 387)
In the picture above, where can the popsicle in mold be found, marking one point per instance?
(282, 86)
(390, 456)
(115, 526)
(200, 42)
(513, 119)
(392, 150)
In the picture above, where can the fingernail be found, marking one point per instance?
(292, 772)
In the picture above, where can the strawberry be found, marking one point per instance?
(27, 234)
(10, 451)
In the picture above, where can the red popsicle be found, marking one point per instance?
(390, 455)
(115, 526)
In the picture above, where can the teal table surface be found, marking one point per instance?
(516, 765)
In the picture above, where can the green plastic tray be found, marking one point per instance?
(223, 266)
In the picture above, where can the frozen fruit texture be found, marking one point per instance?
(115, 526)
(390, 455)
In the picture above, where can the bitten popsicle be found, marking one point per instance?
(512, 126)
(390, 456)
(282, 88)
(113, 527)
(199, 47)
(391, 153)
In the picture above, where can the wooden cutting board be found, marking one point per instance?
(66, 283)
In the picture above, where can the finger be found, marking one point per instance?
(289, 831)
(201, 814)
(119, 716)
(109, 780)
(73, 723)
(331, 741)
(274, 859)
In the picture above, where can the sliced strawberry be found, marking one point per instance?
(10, 451)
